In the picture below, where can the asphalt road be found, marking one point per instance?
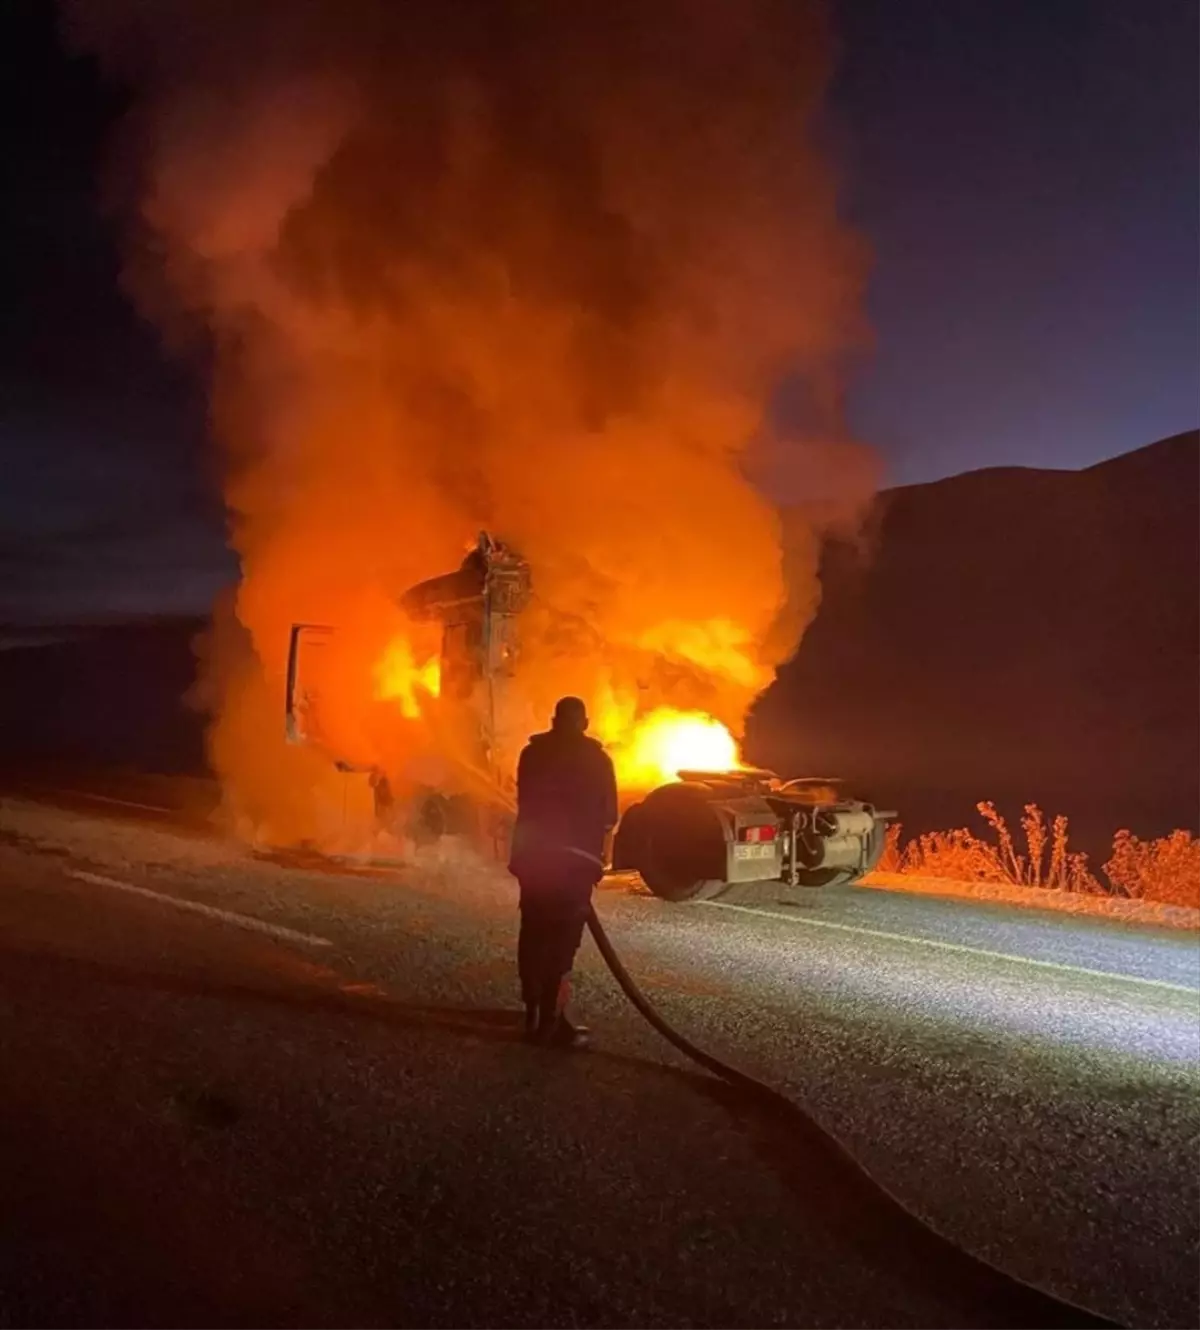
(204, 1121)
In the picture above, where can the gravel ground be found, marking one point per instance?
(1045, 1118)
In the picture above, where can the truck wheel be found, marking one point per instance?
(679, 843)
(628, 847)
(826, 877)
(430, 819)
(675, 889)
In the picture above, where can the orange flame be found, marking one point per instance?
(656, 748)
(399, 678)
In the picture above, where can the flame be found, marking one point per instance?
(399, 678)
(666, 742)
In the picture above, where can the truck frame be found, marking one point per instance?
(707, 835)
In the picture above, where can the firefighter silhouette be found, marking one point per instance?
(566, 806)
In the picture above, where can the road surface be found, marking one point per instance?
(249, 1090)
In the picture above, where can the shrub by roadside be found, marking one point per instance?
(1165, 871)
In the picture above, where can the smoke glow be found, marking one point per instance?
(531, 267)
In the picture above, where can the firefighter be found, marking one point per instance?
(566, 806)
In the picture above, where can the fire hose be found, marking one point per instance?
(1024, 1303)
(905, 1235)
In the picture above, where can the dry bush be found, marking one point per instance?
(891, 860)
(964, 856)
(957, 854)
(1165, 870)
(1065, 870)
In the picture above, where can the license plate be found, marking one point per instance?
(766, 851)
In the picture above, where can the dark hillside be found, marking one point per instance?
(1011, 634)
(104, 696)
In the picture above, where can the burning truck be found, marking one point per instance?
(701, 834)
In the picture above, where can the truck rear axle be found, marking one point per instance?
(711, 831)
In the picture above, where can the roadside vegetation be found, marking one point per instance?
(1165, 871)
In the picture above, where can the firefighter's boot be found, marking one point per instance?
(555, 1028)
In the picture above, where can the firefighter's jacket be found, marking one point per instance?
(566, 804)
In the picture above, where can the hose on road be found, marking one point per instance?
(880, 1218)
(1015, 1302)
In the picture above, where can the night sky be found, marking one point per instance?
(1025, 171)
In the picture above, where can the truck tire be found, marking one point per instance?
(430, 819)
(826, 877)
(674, 889)
(678, 843)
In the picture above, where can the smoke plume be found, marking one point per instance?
(529, 266)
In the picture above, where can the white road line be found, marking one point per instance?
(1062, 966)
(211, 911)
(108, 799)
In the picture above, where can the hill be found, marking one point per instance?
(101, 694)
(1013, 634)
